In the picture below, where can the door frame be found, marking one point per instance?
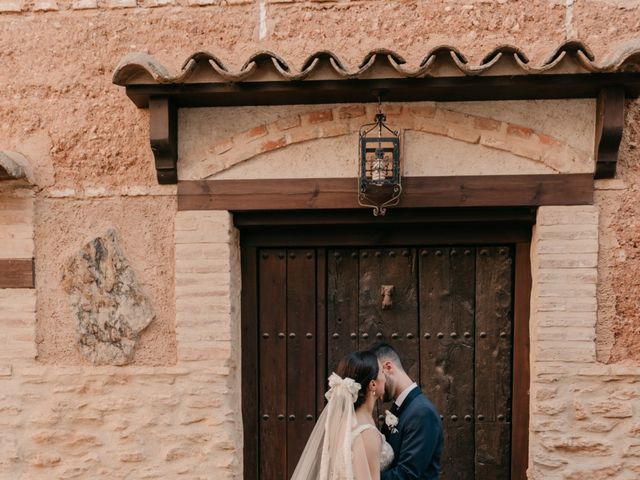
(320, 228)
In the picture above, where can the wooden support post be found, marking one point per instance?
(609, 124)
(163, 136)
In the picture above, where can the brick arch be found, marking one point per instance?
(427, 118)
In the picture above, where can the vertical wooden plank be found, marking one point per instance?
(521, 375)
(342, 304)
(273, 360)
(398, 324)
(321, 329)
(250, 413)
(447, 308)
(494, 272)
(301, 351)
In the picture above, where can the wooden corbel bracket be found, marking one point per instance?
(609, 125)
(163, 136)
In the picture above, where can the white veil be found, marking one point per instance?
(330, 453)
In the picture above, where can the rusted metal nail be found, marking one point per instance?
(483, 334)
(353, 335)
(394, 335)
(427, 336)
(453, 335)
(309, 335)
(265, 417)
(292, 335)
(409, 335)
(440, 335)
(265, 335)
(336, 335)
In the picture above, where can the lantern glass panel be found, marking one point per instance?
(379, 159)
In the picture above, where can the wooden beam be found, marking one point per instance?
(16, 273)
(521, 363)
(418, 192)
(609, 125)
(163, 136)
(463, 88)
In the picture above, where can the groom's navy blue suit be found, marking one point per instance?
(417, 443)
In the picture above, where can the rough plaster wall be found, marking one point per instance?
(58, 103)
(619, 260)
(144, 226)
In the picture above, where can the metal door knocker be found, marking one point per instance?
(387, 292)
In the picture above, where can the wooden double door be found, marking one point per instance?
(448, 310)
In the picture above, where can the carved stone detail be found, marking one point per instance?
(110, 307)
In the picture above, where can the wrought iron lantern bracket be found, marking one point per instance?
(379, 181)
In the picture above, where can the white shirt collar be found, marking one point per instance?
(404, 394)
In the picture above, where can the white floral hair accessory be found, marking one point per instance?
(391, 420)
(346, 385)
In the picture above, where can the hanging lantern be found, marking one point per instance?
(379, 180)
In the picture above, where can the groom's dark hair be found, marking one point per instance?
(384, 351)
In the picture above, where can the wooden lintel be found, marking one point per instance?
(418, 192)
(609, 125)
(163, 136)
(16, 273)
(443, 89)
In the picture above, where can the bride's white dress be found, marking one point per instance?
(335, 450)
(386, 452)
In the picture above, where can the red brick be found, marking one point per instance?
(351, 111)
(484, 123)
(272, 144)
(519, 130)
(255, 132)
(288, 123)
(425, 111)
(223, 146)
(547, 140)
(320, 116)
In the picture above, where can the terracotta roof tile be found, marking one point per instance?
(445, 60)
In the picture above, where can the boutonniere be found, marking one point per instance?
(391, 420)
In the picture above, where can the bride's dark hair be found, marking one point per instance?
(361, 367)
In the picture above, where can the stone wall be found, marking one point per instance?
(582, 412)
(110, 422)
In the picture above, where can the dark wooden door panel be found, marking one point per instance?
(447, 307)
(342, 304)
(450, 317)
(494, 272)
(301, 351)
(273, 359)
(394, 268)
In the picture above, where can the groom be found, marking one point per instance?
(418, 438)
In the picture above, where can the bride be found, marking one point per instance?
(345, 443)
